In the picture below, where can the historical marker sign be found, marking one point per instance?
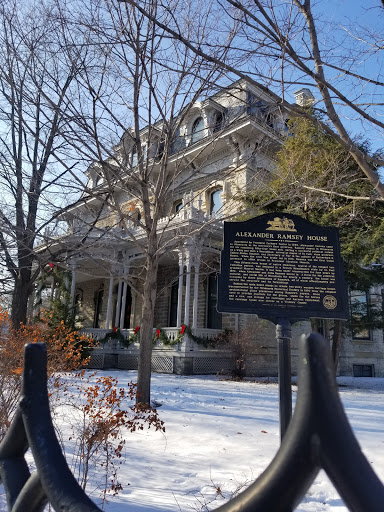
(281, 265)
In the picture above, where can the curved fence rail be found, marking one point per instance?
(318, 436)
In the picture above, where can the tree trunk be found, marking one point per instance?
(20, 297)
(143, 393)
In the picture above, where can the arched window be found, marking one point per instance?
(215, 202)
(197, 131)
(178, 206)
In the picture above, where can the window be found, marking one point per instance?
(160, 150)
(255, 107)
(215, 202)
(77, 305)
(359, 315)
(363, 370)
(134, 157)
(178, 142)
(127, 312)
(173, 304)
(213, 316)
(218, 125)
(178, 206)
(197, 131)
(98, 308)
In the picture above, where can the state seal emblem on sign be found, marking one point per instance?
(330, 302)
(284, 224)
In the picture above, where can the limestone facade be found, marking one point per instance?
(240, 130)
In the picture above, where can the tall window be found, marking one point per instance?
(77, 305)
(173, 304)
(213, 316)
(215, 201)
(359, 315)
(98, 308)
(127, 312)
(197, 131)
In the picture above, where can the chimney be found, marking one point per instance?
(304, 97)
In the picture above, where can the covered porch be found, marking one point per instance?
(184, 357)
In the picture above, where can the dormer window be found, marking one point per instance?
(218, 124)
(215, 201)
(197, 131)
(178, 142)
(255, 106)
(160, 150)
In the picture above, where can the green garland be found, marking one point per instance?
(135, 337)
(161, 335)
(115, 334)
(220, 339)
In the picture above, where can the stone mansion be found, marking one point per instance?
(225, 149)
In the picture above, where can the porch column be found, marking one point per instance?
(37, 304)
(133, 307)
(124, 299)
(123, 304)
(180, 289)
(187, 290)
(118, 304)
(73, 289)
(195, 296)
(109, 305)
(66, 284)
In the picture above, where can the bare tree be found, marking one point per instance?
(285, 45)
(34, 88)
(137, 87)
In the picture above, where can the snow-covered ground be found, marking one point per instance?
(220, 435)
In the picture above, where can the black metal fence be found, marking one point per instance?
(318, 436)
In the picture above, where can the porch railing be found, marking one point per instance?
(170, 332)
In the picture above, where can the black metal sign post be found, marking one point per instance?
(283, 268)
(283, 337)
